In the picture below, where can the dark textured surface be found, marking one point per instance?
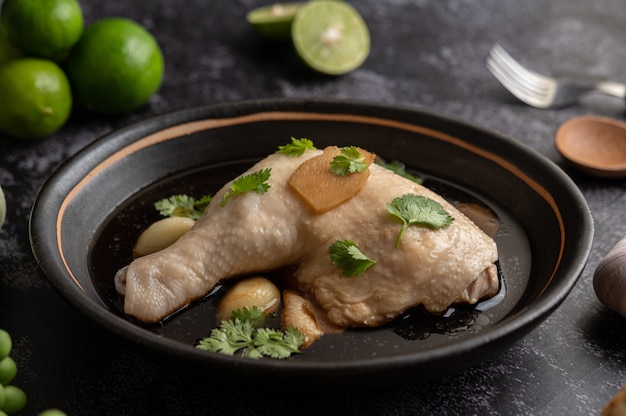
(425, 54)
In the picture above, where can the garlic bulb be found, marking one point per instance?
(609, 279)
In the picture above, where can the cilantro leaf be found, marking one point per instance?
(346, 255)
(240, 334)
(275, 343)
(297, 147)
(414, 209)
(256, 182)
(293, 337)
(254, 315)
(349, 161)
(400, 169)
(182, 206)
(229, 338)
(201, 204)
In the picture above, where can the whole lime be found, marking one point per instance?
(115, 67)
(6, 344)
(3, 398)
(35, 98)
(15, 399)
(7, 50)
(52, 412)
(43, 28)
(8, 370)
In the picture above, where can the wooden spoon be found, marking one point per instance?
(596, 145)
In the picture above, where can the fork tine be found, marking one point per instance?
(540, 90)
(530, 87)
(513, 79)
(530, 79)
(512, 84)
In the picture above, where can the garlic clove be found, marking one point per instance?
(609, 279)
(161, 234)
(254, 291)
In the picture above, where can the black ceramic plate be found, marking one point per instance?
(87, 216)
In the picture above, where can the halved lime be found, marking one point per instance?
(274, 21)
(330, 36)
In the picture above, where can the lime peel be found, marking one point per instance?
(116, 67)
(37, 99)
(44, 28)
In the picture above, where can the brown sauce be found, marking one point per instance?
(113, 250)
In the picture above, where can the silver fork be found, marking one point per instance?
(539, 90)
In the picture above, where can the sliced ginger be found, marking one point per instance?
(323, 190)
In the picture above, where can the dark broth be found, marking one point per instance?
(113, 248)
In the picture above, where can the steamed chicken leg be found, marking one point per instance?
(256, 233)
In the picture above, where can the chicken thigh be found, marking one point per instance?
(261, 232)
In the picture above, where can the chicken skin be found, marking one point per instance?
(256, 233)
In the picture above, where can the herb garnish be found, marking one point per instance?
(241, 333)
(346, 255)
(349, 161)
(297, 147)
(414, 209)
(399, 168)
(183, 206)
(256, 182)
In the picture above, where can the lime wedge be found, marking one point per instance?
(330, 36)
(274, 21)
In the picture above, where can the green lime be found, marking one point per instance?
(7, 50)
(15, 399)
(8, 370)
(274, 21)
(3, 398)
(43, 28)
(36, 98)
(52, 412)
(115, 67)
(3, 213)
(6, 343)
(330, 36)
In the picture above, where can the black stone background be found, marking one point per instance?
(425, 54)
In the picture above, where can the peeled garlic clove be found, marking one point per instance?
(254, 291)
(161, 234)
(609, 279)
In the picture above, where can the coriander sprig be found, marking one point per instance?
(256, 182)
(349, 161)
(182, 206)
(297, 147)
(400, 169)
(414, 209)
(240, 333)
(346, 255)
